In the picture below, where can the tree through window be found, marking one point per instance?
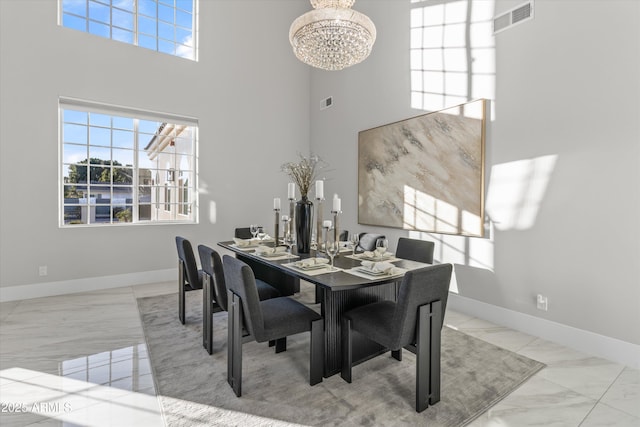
(114, 164)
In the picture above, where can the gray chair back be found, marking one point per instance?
(415, 250)
(368, 241)
(243, 233)
(185, 253)
(239, 279)
(212, 265)
(418, 287)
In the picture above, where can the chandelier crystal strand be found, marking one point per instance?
(332, 36)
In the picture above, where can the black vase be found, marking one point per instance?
(304, 224)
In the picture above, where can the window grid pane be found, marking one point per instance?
(164, 26)
(112, 176)
(452, 59)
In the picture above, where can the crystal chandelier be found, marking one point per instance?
(332, 36)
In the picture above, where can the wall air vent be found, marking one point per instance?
(326, 103)
(512, 17)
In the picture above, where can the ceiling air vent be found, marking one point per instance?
(512, 17)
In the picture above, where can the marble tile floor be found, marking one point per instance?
(81, 360)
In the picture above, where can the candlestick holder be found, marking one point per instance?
(319, 237)
(292, 214)
(336, 226)
(277, 226)
(286, 226)
(324, 234)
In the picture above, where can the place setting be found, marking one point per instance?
(380, 254)
(259, 238)
(274, 253)
(313, 266)
(376, 269)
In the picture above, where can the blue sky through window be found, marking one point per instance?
(162, 25)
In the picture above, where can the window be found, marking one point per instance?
(114, 163)
(452, 52)
(166, 26)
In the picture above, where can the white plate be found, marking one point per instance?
(311, 267)
(372, 273)
(245, 246)
(374, 258)
(273, 254)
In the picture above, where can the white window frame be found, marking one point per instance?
(143, 144)
(145, 26)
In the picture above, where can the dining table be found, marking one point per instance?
(338, 291)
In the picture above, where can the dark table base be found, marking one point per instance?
(333, 305)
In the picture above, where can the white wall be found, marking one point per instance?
(567, 87)
(248, 91)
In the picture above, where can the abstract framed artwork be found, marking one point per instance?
(425, 173)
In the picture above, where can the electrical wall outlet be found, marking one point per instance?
(542, 302)
(42, 270)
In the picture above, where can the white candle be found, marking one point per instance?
(285, 217)
(326, 223)
(319, 189)
(276, 203)
(336, 203)
(292, 191)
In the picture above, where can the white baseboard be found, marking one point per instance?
(38, 290)
(612, 349)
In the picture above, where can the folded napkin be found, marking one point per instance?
(268, 250)
(243, 242)
(378, 267)
(310, 262)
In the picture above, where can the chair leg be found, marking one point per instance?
(423, 375)
(230, 316)
(428, 355)
(347, 354)
(316, 358)
(397, 354)
(181, 291)
(234, 356)
(281, 345)
(207, 314)
(435, 349)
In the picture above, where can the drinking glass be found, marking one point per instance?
(332, 247)
(354, 239)
(381, 247)
(254, 228)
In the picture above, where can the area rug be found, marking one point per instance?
(193, 391)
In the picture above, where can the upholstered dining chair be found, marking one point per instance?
(273, 319)
(214, 292)
(413, 322)
(189, 276)
(415, 250)
(243, 233)
(368, 241)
